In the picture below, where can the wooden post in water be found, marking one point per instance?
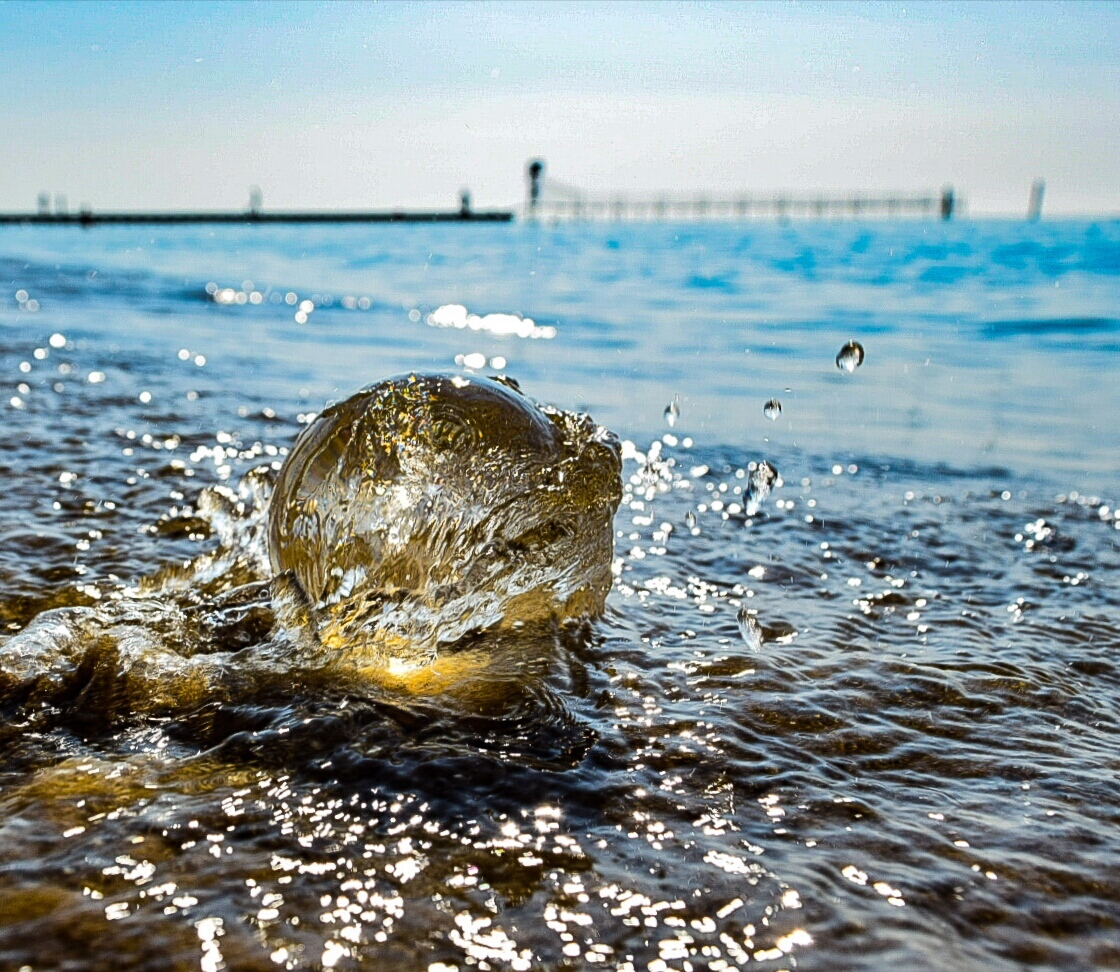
(947, 202)
(1034, 205)
(534, 171)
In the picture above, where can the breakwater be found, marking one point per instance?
(90, 218)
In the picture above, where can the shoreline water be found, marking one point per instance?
(870, 724)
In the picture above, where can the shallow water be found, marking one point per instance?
(866, 720)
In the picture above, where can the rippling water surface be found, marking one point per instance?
(853, 702)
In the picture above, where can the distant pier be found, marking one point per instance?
(90, 218)
(548, 199)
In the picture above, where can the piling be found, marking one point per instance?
(947, 202)
(1034, 204)
(533, 173)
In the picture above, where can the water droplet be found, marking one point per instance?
(850, 356)
(690, 519)
(772, 409)
(750, 629)
(762, 479)
(673, 411)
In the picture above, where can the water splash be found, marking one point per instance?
(772, 409)
(419, 511)
(673, 411)
(761, 481)
(750, 630)
(427, 507)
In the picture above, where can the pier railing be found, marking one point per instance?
(779, 206)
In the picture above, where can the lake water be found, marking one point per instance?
(866, 721)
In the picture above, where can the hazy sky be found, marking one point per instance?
(377, 104)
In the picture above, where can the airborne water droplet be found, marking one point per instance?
(762, 479)
(772, 409)
(750, 629)
(850, 356)
(690, 519)
(673, 411)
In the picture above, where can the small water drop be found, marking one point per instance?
(673, 411)
(850, 356)
(772, 409)
(750, 629)
(762, 479)
(690, 519)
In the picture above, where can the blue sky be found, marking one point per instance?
(187, 104)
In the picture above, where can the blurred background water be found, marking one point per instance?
(872, 724)
(982, 338)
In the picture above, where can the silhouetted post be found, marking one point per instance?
(1034, 206)
(465, 204)
(534, 171)
(947, 202)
